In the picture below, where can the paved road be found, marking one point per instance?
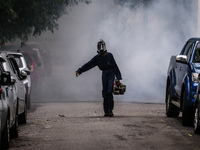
(81, 126)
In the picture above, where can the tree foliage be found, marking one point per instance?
(132, 4)
(24, 18)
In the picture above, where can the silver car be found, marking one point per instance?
(14, 50)
(27, 81)
(8, 108)
(18, 77)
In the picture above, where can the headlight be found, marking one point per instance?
(195, 77)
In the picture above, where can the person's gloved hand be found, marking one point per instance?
(117, 82)
(77, 74)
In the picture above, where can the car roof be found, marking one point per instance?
(15, 48)
(194, 39)
(1, 58)
(9, 52)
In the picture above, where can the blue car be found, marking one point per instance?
(182, 82)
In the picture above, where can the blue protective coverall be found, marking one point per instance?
(109, 70)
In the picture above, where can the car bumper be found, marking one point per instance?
(193, 94)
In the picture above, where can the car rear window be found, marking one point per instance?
(35, 57)
(27, 58)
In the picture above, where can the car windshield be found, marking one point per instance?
(196, 58)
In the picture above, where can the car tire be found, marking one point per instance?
(187, 112)
(5, 135)
(28, 101)
(14, 129)
(171, 109)
(23, 116)
(197, 120)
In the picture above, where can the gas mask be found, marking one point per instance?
(101, 47)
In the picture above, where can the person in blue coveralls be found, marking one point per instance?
(106, 63)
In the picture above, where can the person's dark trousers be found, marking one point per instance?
(107, 82)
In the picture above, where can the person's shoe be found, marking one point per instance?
(106, 114)
(111, 113)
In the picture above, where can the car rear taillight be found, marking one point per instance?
(32, 67)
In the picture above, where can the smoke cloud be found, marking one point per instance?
(142, 41)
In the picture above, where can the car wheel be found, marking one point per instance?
(196, 121)
(5, 135)
(28, 101)
(171, 109)
(23, 116)
(187, 113)
(14, 130)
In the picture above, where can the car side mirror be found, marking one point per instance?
(23, 74)
(181, 58)
(27, 71)
(5, 78)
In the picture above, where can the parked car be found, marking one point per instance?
(34, 73)
(27, 81)
(35, 52)
(8, 108)
(35, 62)
(197, 111)
(33, 65)
(44, 57)
(182, 82)
(18, 76)
(14, 50)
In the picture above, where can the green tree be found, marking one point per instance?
(24, 18)
(133, 4)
